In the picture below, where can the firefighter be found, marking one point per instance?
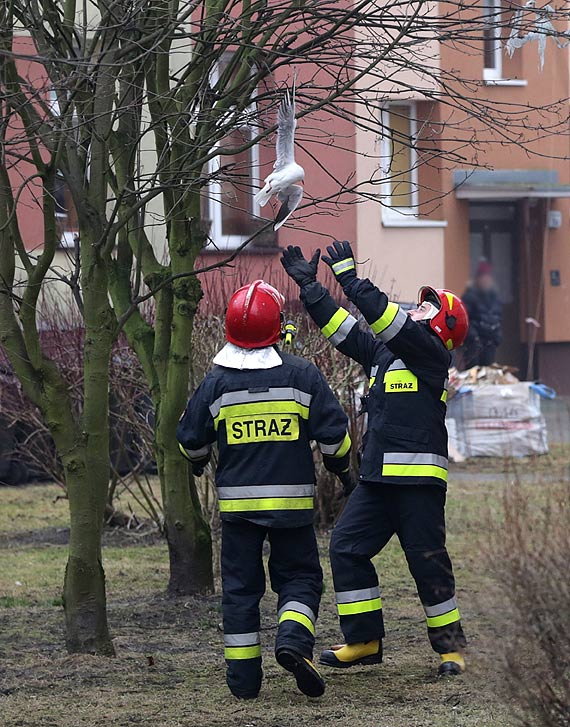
(403, 473)
(262, 407)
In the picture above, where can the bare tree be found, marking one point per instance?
(138, 110)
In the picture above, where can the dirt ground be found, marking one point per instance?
(169, 669)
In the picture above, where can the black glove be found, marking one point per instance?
(341, 262)
(348, 483)
(199, 466)
(302, 271)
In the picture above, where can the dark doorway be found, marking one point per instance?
(494, 233)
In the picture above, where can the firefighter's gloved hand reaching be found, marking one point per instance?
(341, 261)
(300, 270)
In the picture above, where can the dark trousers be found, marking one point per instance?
(296, 577)
(416, 514)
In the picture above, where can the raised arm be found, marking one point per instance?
(336, 323)
(407, 339)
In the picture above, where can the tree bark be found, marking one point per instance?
(189, 541)
(84, 598)
(188, 534)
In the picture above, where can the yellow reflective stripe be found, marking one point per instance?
(443, 620)
(299, 618)
(181, 448)
(344, 447)
(262, 407)
(386, 318)
(335, 322)
(444, 396)
(348, 609)
(372, 380)
(242, 652)
(414, 470)
(267, 503)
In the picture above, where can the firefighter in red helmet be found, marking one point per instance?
(403, 472)
(262, 407)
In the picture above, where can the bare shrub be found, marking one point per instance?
(531, 564)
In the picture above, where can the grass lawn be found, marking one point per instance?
(169, 669)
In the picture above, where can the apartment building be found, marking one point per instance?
(440, 188)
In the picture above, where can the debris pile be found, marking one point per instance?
(493, 414)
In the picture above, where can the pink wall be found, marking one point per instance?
(29, 209)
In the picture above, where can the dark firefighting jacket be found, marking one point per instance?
(407, 365)
(263, 422)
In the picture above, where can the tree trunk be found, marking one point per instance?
(188, 534)
(86, 629)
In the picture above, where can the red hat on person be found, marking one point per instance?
(484, 268)
(451, 322)
(253, 318)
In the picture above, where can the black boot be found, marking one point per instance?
(308, 679)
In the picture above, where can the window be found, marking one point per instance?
(492, 61)
(66, 216)
(230, 207)
(399, 160)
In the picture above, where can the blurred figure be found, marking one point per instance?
(485, 318)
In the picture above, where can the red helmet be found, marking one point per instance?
(253, 318)
(451, 322)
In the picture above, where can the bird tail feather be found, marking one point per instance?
(263, 196)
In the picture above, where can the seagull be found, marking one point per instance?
(543, 28)
(282, 182)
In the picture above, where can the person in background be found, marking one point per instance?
(485, 318)
(262, 407)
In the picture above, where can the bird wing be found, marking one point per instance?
(290, 197)
(286, 125)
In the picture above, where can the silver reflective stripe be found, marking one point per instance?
(440, 608)
(343, 265)
(415, 458)
(373, 371)
(446, 384)
(251, 639)
(394, 328)
(397, 365)
(285, 393)
(198, 453)
(331, 449)
(362, 594)
(343, 330)
(300, 608)
(247, 492)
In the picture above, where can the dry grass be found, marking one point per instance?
(183, 682)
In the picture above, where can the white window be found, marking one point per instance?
(230, 206)
(399, 160)
(492, 61)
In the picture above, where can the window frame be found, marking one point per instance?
(493, 19)
(214, 206)
(391, 212)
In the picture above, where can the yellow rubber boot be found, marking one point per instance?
(345, 655)
(451, 664)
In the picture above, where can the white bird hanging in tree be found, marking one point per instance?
(543, 28)
(283, 182)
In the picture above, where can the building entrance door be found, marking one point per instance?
(493, 233)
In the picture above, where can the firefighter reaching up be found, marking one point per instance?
(262, 407)
(403, 474)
